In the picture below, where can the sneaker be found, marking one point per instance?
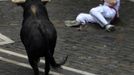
(72, 23)
(110, 28)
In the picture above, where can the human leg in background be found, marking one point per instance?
(81, 19)
(84, 18)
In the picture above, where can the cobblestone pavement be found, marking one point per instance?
(93, 49)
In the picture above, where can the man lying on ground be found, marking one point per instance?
(102, 14)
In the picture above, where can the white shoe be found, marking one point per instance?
(72, 23)
(110, 28)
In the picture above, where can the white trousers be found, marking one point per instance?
(102, 15)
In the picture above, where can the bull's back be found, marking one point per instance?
(34, 40)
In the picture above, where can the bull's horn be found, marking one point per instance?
(22, 1)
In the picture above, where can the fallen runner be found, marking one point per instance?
(102, 14)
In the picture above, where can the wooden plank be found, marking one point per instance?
(22, 1)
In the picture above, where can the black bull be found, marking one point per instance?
(38, 35)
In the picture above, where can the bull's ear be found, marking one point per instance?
(18, 2)
(45, 2)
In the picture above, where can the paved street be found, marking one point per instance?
(92, 51)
